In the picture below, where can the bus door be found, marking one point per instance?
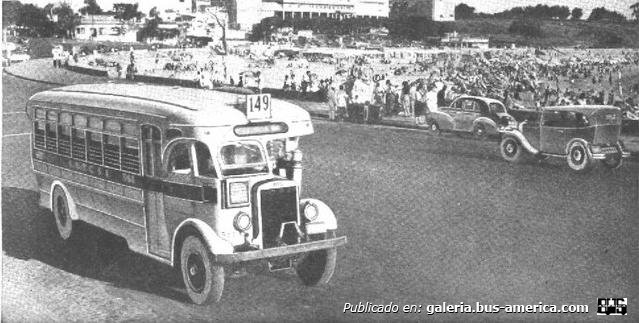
(157, 234)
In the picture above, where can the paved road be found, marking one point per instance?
(429, 220)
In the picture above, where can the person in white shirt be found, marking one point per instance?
(431, 99)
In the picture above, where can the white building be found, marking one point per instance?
(288, 9)
(106, 28)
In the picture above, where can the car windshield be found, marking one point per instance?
(497, 108)
(241, 158)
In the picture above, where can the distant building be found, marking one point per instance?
(464, 41)
(106, 28)
(288, 9)
(435, 10)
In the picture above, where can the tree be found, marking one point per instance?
(35, 19)
(602, 13)
(10, 11)
(218, 13)
(91, 8)
(635, 11)
(67, 20)
(576, 13)
(464, 11)
(126, 11)
(526, 27)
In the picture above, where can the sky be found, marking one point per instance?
(488, 6)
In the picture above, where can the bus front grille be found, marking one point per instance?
(277, 206)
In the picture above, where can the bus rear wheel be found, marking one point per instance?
(61, 213)
(203, 279)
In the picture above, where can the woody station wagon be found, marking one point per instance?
(200, 180)
(581, 134)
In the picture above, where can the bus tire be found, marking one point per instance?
(317, 267)
(203, 279)
(61, 214)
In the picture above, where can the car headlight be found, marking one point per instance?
(238, 193)
(311, 212)
(242, 222)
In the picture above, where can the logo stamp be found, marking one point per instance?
(612, 306)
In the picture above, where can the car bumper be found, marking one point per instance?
(279, 251)
(624, 154)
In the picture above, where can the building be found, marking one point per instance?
(435, 10)
(288, 9)
(464, 41)
(106, 28)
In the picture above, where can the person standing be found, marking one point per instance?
(332, 104)
(405, 98)
(341, 100)
(431, 99)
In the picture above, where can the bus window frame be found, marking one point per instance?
(220, 158)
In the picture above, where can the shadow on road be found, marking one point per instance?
(29, 232)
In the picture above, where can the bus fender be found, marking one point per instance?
(216, 245)
(72, 209)
(325, 214)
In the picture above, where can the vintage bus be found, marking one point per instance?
(197, 179)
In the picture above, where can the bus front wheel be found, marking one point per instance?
(61, 213)
(203, 279)
(317, 267)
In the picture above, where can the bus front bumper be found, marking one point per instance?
(279, 251)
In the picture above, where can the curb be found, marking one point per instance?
(4, 70)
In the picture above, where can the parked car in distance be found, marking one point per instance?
(477, 115)
(581, 134)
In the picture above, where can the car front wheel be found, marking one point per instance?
(578, 157)
(511, 150)
(203, 279)
(612, 161)
(479, 132)
(433, 127)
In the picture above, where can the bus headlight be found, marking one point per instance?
(297, 155)
(238, 193)
(311, 212)
(242, 222)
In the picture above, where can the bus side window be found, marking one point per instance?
(180, 159)
(52, 131)
(152, 150)
(39, 133)
(112, 151)
(204, 161)
(94, 146)
(78, 150)
(130, 155)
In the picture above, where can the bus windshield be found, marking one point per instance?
(241, 158)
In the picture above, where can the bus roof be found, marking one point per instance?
(177, 105)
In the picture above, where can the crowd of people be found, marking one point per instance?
(521, 79)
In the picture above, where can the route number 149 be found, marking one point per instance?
(258, 106)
